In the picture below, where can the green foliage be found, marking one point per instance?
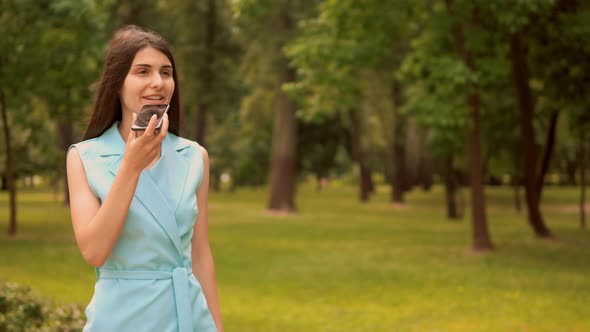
(242, 144)
(23, 311)
(436, 82)
(347, 54)
(320, 159)
(47, 66)
(262, 28)
(34, 139)
(72, 43)
(19, 311)
(335, 47)
(52, 51)
(207, 58)
(346, 57)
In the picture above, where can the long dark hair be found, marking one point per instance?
(124, 45)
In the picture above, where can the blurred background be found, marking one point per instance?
(375, 165)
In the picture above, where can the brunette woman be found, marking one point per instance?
(139, 200)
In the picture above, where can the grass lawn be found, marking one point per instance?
(340, 265)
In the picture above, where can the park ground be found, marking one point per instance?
(339, 265)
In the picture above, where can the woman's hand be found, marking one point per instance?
(142, 149)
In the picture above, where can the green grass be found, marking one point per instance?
(340, 265)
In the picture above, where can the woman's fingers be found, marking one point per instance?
(151, 126)
(141, 149)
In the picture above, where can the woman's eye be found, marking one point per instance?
(142, 71)
(167, 73)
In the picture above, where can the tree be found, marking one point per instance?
(19, 25)
(337, 56)
(533, 31)
(525, 101)
(208, 60)
(481, 237)
(43, 71)
(72, 44)
(255, 19)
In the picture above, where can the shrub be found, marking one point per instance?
(23, 311)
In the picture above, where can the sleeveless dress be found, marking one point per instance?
(147, 284)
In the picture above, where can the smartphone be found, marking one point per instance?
(145, 114)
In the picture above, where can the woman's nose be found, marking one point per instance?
(156, 80)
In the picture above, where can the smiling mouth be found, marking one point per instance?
(153, 100)
(156, 98)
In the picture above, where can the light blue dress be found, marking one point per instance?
(147, 283)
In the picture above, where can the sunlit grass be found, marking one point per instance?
(339, 265)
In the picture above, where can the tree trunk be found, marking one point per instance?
(516, 179)
(283, 172)
(66, 138)
(369, 178)
(282, 175)
(482, 240)
(481, 237)
(571, 168)
(517, 202)
(318, 182)
(549, 147)
(582, 180)
(398, 179)
(525, 102)
(201, 123)
(358, 154)
(367, 172)
(425, 175)
(10, 176)
(451, 189)
(366, 180)
(207, 72)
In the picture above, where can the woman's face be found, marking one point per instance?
(149, 81)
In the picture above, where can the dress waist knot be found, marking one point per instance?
(179, 276)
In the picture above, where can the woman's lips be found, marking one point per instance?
(154, 101)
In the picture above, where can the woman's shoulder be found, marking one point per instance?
(87, 147)
(189, 150)
(88, 142)
(185, 145)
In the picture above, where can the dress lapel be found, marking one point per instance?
(171, 171)
(150, 196)
(148, 193)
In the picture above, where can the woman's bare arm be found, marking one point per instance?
(98, 227)
(203, 266)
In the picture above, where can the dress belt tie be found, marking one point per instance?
(179, 278)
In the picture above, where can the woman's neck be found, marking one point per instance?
(125, 125)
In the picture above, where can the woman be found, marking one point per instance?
(139, 200)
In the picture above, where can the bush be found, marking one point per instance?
(23, 311)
